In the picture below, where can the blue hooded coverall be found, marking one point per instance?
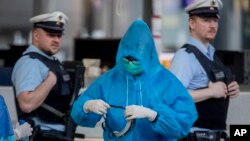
(156, 88)
(6, 130)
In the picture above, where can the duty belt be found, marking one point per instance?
(206, 136)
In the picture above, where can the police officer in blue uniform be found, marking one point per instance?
(42, 86)
(209, 82)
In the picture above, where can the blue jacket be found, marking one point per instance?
(6, 130)
(156, 88)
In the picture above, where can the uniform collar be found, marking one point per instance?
(33, 48)
(209, 52)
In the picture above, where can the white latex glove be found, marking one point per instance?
(136, 111)
(97, 106)
(24, 130)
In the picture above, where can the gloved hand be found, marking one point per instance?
(136, 111)
(24, 130)
(97, 106)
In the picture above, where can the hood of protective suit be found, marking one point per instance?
(138, 43)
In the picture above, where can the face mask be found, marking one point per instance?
(134, 67)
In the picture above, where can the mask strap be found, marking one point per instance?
(127, 93)
(140, 92)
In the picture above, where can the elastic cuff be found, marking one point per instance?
(156, 118)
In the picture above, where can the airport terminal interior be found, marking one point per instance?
(93, 33)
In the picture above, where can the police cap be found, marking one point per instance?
(50, 22)
(204, 8)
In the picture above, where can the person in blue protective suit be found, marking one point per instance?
(6, 130)
(7, 133)
(139, 99)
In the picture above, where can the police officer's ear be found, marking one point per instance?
(35, 34)
(191, 22)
